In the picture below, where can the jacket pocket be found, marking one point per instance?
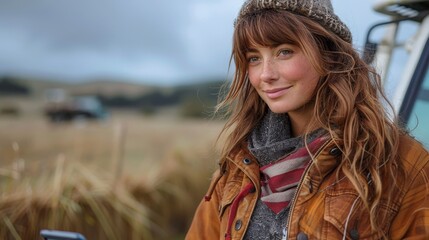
(230, 192)
(346, 215)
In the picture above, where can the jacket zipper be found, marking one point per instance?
(293, 199)
(307, 169)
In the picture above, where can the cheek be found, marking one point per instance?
(305, 74)
(309, 86)
(251, 75)
(302, 70)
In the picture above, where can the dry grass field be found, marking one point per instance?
(127, 177)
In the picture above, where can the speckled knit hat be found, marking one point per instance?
(320, 11)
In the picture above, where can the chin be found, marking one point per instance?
(278, 110)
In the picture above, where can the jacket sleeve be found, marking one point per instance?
(412, 220)
(206, 221)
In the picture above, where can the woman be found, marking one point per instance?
(310, 151)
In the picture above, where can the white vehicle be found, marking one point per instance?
(410, 94)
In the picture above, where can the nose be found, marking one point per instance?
(269, 71)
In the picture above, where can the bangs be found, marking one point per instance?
(271, 28)
(262, 29)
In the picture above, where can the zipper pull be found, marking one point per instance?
(284, 237)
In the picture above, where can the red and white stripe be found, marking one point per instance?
(280, 179)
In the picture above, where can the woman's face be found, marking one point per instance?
(283, 77)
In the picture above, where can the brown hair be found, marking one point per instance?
(347, 101)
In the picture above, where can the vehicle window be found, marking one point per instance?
(400, 56)
(419, 117)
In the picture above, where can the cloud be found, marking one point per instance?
(164, 41)
(209, 35)
(83, 39)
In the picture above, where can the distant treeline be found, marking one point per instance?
(197, 100)
(204, 93)
(193, 100)
(11, 86)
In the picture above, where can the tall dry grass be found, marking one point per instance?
(127, 178)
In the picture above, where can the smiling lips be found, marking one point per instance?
(276, 92)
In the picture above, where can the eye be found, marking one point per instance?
(252, 59)
(285, 52)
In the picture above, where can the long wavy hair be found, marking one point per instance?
(349, 101)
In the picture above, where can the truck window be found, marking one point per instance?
(418, 97)
(400, 56)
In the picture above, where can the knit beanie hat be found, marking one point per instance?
(320, 11)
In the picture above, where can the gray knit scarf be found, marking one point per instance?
(270, 141)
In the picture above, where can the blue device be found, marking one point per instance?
(60, 235)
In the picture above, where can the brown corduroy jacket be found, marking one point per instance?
(325, 206)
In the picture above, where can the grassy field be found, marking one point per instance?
(128, 177)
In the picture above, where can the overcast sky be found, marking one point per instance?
(159, 41)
